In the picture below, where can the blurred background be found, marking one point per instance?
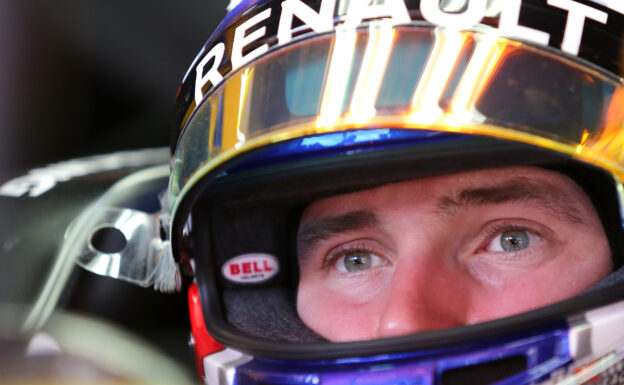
(80, 77)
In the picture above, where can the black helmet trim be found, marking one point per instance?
(221, 298)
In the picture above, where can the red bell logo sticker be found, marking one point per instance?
(251, 268)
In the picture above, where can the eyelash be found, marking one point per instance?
(497, 229)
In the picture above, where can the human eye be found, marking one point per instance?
(358, 260)
(357, 256)
(510, 240)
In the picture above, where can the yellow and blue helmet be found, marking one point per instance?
(291, 101)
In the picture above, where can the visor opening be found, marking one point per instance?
(485, 373)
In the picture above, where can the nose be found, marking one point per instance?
(422, 297)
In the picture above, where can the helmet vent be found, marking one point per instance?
(484, 373)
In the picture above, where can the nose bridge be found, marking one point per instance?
(426, 293)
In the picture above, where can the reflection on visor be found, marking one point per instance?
(408, 77)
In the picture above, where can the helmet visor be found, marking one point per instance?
(406, 77)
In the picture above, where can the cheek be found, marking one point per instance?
(507, 300)
(333, 316)
(589, 262)
(583, 262)
(573, 272)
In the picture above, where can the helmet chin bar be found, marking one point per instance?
(596, 341)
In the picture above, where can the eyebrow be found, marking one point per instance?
(542, 194)
(325, 227)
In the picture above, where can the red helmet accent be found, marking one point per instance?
(204, 343)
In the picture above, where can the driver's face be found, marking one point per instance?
(445, 251)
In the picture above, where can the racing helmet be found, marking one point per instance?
(291, 101)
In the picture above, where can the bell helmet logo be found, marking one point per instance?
(251, 268)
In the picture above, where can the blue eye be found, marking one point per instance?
(358, 260)
(512, 240)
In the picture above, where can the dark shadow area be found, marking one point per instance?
(86, 77)
(81, 78)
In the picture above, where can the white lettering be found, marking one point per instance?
(319, 22)
(577, 13)
(473, 14)
(213, 76)
(508, 24)
(454, 15)
(362, 9)
(241, 39)
(614, 5)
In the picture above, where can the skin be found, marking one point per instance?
(436, 256)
